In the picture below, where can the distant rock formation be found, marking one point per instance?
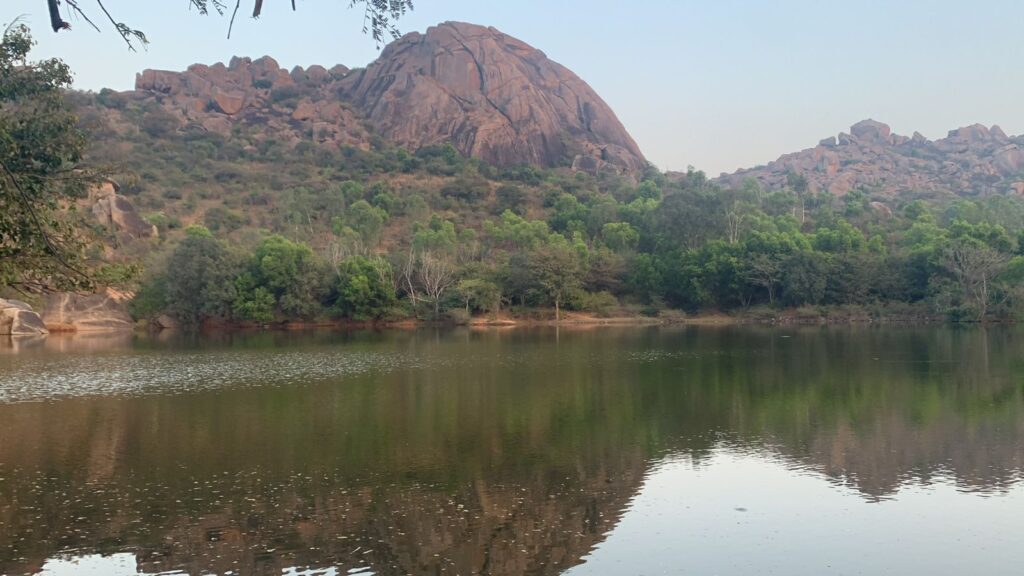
(970, 161)
(494, 97)
(296, 106)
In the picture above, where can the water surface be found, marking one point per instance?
(530, 451)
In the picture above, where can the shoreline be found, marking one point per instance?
(781, 318)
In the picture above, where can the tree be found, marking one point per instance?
(765, 270)
(555, 269)
(436, 273)
(365, 288)
(804, 278)
(289, 272)
(379, 16)
(365, 219)
(41, 245)
(479, 293)
(620, 236)
(198, 282)
(974, 266)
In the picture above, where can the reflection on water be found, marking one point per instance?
(515, 452)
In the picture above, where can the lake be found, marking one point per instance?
(642, 450)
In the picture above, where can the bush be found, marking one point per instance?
(600, 303)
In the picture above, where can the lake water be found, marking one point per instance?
(648, 450)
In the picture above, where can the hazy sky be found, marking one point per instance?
(716, 84)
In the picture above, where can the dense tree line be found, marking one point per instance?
(604, 246)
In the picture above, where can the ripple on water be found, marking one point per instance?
(82, 375)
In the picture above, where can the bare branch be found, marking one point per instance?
(125, 32)
(27, 202)
(231, 24)
(73, 4)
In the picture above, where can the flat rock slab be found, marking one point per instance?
(69, 312)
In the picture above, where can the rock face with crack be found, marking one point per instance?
(104, 312)
(117, 213)
(493, 96)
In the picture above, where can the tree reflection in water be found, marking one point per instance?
(494, 452)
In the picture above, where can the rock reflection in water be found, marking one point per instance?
(465, 452)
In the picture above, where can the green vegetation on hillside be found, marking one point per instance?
(312, 233)
(257, 229)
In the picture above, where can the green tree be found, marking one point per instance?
(365, 288)
(556, 270)
(199, 279)
(367, 220)
(479, 294)
(41, 245)
(290, 273)
(620, 236)
(804, 278)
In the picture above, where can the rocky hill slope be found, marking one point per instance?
(970, 161)
(493, 97)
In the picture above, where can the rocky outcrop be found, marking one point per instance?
(971, 161)
(288, 107)
(230, 103)
(69, 312)
(872, 131)
(18, 319)
(117, 213)
(492, 96)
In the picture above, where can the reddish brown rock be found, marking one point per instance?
(117, 213)
(338, 71)
(871, 130)
(230, 103)
(973, 161)
(304, 111)
(972, 133)
(492, 96)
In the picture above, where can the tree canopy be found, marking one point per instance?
(41, 247)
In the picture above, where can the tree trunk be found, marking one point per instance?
(558, 312)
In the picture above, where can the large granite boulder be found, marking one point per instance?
(871, 130)
(18, 319)
(491, 95)
(118, 214)
(104, 312)
(228, 102)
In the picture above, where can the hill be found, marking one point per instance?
(973, 161)
(493, 97)
(465, 173)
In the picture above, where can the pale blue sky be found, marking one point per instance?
(717, 84)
